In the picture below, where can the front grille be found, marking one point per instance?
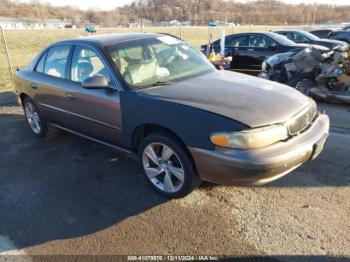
(302, 120)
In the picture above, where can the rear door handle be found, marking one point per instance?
(33, 86)
(250, 49)
(70, 96)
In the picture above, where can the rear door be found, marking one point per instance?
(93, 112)
(236, 46)
(49, 81)
(260, 48)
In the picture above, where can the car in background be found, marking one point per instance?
(249, 50)
(301, 36)
(158, 97)
(322, 33)
(342, 35)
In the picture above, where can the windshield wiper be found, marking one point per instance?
(161, 83)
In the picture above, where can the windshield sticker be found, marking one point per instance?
(168, 40)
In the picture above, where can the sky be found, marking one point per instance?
(111, 4)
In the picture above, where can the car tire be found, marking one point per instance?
(167, 165)
(303, 83)
(34, 118)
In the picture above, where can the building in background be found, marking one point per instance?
(30, 23)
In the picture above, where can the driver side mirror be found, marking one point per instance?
(96, 82)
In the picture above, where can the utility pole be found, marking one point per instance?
(141, 14)
(195, 13)
(315, 11)
(6, 49)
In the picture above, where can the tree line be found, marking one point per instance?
(195, 12)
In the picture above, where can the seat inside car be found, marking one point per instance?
(83, 71)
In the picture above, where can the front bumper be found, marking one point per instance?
(261, 166)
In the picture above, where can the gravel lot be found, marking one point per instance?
(66, 195)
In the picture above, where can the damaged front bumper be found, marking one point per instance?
(325, 94)
(260, 166)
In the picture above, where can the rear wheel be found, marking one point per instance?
(167, 165)
(34, 119)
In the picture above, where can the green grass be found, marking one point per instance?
(25, 44)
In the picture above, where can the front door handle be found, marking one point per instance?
(70, 96)
(33, 86)
(250, 49)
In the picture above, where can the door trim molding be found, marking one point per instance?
(80, 116)
(92, 139)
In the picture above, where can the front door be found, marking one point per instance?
(237, 48)
(93, 112)
(260, 48)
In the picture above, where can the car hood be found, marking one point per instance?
(319, 47)
(250, 100)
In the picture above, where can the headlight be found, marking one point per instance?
(250, 139)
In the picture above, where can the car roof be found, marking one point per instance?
(291, 30)
(342, 31)
(322, 29)
(253, 33)
(108, 39)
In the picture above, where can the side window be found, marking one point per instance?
(289, 36)
(237, 41)
(260, 41)
(40, 65)
(85, 64)
(217, 42)
(56, 61)
(298, 38)
(332, 35)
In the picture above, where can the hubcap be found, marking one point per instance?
(304, 86)
(163, 167)
(32, 118)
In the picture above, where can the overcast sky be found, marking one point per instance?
(111, 4)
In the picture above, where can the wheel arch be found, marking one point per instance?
(22, 96)
(142, 130)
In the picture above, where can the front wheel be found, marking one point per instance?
(302, 83)
(34, 119)
(167, 165)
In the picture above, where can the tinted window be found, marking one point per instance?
(320, 33)
(56, 61)
(260, 41)
(309, 36)
(237, 41)
(41, 64)
(282, 39)
(297, 38)
(86, 63)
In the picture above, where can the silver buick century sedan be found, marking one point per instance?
(158, 97)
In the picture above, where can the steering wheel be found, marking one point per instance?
(168, 56)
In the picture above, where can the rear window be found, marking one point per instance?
(41, 64)
(54, 61)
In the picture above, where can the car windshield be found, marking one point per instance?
(157, 61)
(281, 39)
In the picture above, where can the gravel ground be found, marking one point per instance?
(65, 195)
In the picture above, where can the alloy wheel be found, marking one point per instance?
(33, 117)
(163, 167)
(304, 86)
